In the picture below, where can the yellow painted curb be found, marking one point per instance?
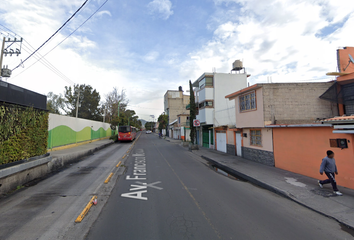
(75, 145)
(124, 156)
(109, 178)
(119, 163)
(85, 211)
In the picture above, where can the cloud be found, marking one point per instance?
(290, 40)
(101, 13)
(160, 7)
(151, 56)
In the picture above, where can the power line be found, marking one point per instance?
(67, 36)
(52, 35)
(44, 61)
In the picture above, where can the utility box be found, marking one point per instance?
(6, 72)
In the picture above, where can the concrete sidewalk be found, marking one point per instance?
(82, 150)
(301, 189)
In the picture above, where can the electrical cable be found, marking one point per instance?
(66, 36)
(44, 61)
(52, 35)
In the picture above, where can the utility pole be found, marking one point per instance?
(104, 114)
(77, 103)
(2, 55)
(7, 73)
(118, 117)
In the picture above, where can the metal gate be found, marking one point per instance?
(207, 137)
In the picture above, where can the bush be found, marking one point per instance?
(23, 133)
(114, 137)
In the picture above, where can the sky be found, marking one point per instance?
(147, 47)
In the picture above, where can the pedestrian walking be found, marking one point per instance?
(328, 166)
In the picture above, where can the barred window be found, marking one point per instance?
(256, 138)
(248, 102)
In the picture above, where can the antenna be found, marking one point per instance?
(351, 60)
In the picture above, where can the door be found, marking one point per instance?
(206, 138)
(221, 142)
(238, 144)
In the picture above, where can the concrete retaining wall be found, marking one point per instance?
(18, 175)
(64, 130)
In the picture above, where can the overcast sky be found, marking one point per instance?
(150, 46)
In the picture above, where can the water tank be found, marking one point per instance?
(237, 65)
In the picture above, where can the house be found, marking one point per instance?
(183, 125)
(215, 113)
(175, 103)
(300, 149)
(261, 108)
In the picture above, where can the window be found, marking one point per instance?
(209, 81)
(338, 143)
(256, 138)
(206, 104)
(248, 102)
(206, 82)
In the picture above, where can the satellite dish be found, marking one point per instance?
(351, 60)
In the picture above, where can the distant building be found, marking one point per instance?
(214, 111)
(175, 103)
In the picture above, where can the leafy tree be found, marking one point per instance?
(149, 125)
(55, 103)
(193, 110)
(89, 100)
(113, 100)
(163, 120)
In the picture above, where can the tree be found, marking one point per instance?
(193, 110)
(113, 100)
(163, 120)
(149, 125)
(89, 100)
(55, 103)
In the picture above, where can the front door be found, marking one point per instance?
(238, 144)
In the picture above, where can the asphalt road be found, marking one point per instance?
(174, 195)
(48, 209)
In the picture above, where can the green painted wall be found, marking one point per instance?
(64, 135)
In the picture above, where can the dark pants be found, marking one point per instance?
(331, 179)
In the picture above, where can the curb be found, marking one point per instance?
(269, 187)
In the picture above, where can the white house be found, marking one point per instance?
(214, 111)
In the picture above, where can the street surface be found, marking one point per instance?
(169, 193)
(48, 209)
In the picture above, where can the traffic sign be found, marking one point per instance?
(196, 123)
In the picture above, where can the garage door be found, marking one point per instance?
(221, 142)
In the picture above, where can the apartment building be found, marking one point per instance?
(214, 111)
(175, 103)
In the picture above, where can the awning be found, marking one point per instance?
(173, 122)
(342, 94)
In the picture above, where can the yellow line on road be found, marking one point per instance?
(124, 156)
(85, 211)
(119, 163)
(109, 178)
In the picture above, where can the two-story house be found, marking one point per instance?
(262, 108)
(214, 111)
